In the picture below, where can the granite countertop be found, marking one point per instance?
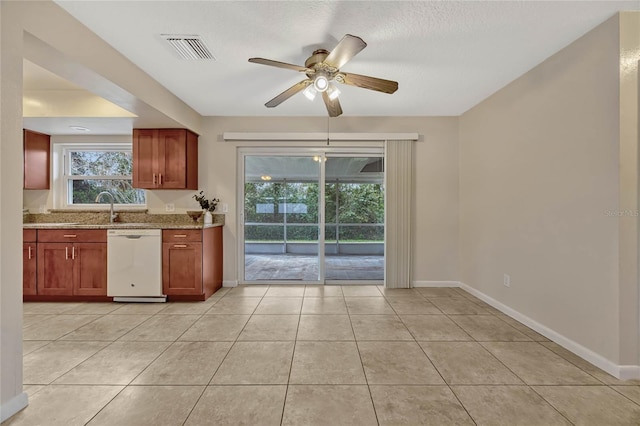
(117, 225)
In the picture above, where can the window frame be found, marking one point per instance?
(63, 176)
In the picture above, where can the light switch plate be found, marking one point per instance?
(170, 207)
(225, 208)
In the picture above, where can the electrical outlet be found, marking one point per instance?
(507, 280)
(170, 207)
(225, 208)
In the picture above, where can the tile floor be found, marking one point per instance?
(296, 355)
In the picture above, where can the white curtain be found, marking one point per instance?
(398, 201)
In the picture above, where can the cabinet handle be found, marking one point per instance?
(154, 178)
(160, 178)
(73, 253)
(180, 236)
(179, 246)
(66, 253)
(69, 235)
(29, 252)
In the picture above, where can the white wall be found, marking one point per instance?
(539, 170)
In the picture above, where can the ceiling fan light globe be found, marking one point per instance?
(333, 92)
(310, 92)
(321, 83)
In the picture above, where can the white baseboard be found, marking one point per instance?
(436, 284)
(230, 283)
(623, 372)
(15, 404)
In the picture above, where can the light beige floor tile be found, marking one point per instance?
(210, 328)
(117, 364)
(379, 327)
(537, 365)
(324, 305)
(32, 389)
(326, 363)
(507, 406)
(93, 308)
(535, 336)
(400, 292)
(29, 346)
(247, 291)
(256, 363)
(285, 291)
(270, 327)
(361, 291)
(631, 392)
(325, 327)
(323, 291)
(468, 363)
(31, 319)
(457, 306)
(52, 361)
(591, 405)
(193, 308)
(368, 306)
(488, 328)
(394, 363)
(235, 305)
(149, 405)
(107, 328)
(56, 327)
(51, 406)
(239, 405)
(279, 306)
(586, 366)
(434, 328)
(161, 328)
(412, 305)
(337, 405)
(185, 363)
(418, 405)
(438, 291)
(139, 308)
(48, 307)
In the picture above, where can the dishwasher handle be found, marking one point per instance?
(133, 237)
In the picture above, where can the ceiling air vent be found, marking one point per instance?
(190, 47)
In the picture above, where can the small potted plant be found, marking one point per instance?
(209, 206)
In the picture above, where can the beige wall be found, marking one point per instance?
(539, 172)
(436, 198)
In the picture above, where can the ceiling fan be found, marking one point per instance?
(323, 69)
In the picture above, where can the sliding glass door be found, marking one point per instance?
(312, 216)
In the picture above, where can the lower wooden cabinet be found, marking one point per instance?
(191, 262)
(74, 267)
(29, 263)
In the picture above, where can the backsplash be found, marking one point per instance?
(99, 217)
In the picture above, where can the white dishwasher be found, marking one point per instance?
(134, 265)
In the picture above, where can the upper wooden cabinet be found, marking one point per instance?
(37, 155)
(165, 159)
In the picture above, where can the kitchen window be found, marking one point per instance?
(90, 170)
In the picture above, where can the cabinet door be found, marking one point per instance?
(89, 269)
(182, 268)
(146, 154)
(29, 268)
(172, 158)
(36, 160)
(55, 269)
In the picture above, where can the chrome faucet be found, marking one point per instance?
(112, 216)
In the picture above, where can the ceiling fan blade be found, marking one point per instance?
(371, 83)
(277, 64)
(346, 49)
(333, 106)
(298, 87)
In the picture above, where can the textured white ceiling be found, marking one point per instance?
(446, 55)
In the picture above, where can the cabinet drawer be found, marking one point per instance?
(72, 236)
(181, 235)
(28, 235)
